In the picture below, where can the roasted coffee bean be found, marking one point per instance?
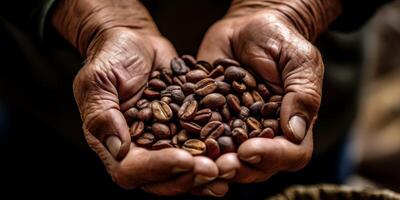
(157, 84)
(218, 71)
(147, 128)
(189, 60)
(173, 129)
(155, 74)
(175, 92)
(254, 133)
(247, 99)
(188, 88)
(190, 97)
(255, 108)
(244, 112)
(145, 114)
(220, 78)
(213, 130)
(142, 103)
(249, 80)
(227, 130)
(178, 66)
(162, 112)
(238, 87)
(202, 68)
(146, 140)
(223, 88)
(233, 73)
(215, 116)
(175, 141)
(196, 75)
(166, 76)
(137, 129)
(162, 144)
(175, 108)
(213, 101)
(239, 135)
(205, 86)
(188, 110)
(267, 133)
(167, 100)
(225, 62)
(131, 114)
(238, 123)
(213, 150)
(202, 116)
(233, 102)
(225, 113)
(270, 109)
(226, 144)
(263, 90)
(177, 81)
(256, 96)
(276, 98)
(253, 123)
(195, 147)
(271, 123)
(190, 126)
(161, 131)
(183, 135)
(206, 64)
(151, 94)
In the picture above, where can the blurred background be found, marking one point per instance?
(357, 137)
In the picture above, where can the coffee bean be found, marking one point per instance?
(202, 68)
(157, 84)
(162, 144)
(155, 74)
(244, 112)
(188, 88)
(276, 98)
(173, 129)
(238, 123)
(188, 110)
(189, 60)
(218, 71)
(225, 62)
(263, 90)
(137, 129)
(202, 116)
(239, 135)
(167, 100)
(271, 123)
(213, 150)
(247, 99)
(233, 73)
(183, 135)
(226, 144)
(145, 114)
(175, 141)
(213, 101)
(151, 94)
(223, 88)
(161, 131)
(253, 123)
(270, 109)
(220, 78)
(206, 64)
(195, 147)
(249, 80)
(177, 81)
(195, 75)
(213, 130)
(146, 140)
(256, 96)
(162, 112)
(215, 116)
(175, 108)
(238, 87)
(233, 102)
(175, 92)
(205, 86)
(147, 128)
(131, 114)
(178, 66)
(142, 103)
(254, 133)
(166, 76)
(227, 129)
(267, 133)
(191, 126)
(225, 113)
(190, 97)
(255, 108)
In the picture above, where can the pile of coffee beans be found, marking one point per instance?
(205, 109)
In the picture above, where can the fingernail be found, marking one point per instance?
(113, 144)
(200, 179)
(228, 175)
(211, 193)
(253, 160)
(298, 127)
(177, 170)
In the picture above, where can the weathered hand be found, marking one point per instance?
(266, 39)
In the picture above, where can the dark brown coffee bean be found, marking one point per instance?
(226, 144)
(195, 147)
(157, 84)
(213, 130)
(218, 71)
(233, 102)
(244, 112)
(238, 123)
(142, 103)
(227, 130)
(249, 80)
(146, 140)
(173, 129)
(167, 100)
(190, 97)
(155, 74)
(175, 108)
(175, 141)
(215, 116)
(175, 92)
(253, 123)
(161, 131)
(212, 147)
(147, 128)
(162, 144)
(190, 126)
(183, 135)
(255, 108)
(137, 129)
(276, 98)
(205, 86)
(267, 133)
(166, 76)
(131, 114)
(177, 81)
(202, 68)
(162, 112)
(145, 115)
(225, 113)
(196, 75)
(263, 90)
(247, 99)
(206, 64)
(271, 123)
(270, 109)
(189, 60)
(225, 62)
(151, 94)
(223, 88)
(188, 88)
(220, 78)
(213, 101)
(233, 73)
(256, 96)
(254, 133)
(178, 66)
(202, 116)
(239, 135)
(188, 110)
(238, 87)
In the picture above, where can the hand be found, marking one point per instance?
(119, 60)
(265, 38)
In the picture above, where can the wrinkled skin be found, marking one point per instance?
(267, 43)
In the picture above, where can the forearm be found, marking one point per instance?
(81, 21)
(309, 17)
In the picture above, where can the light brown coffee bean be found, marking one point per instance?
(183, 135)
(267, 133)
(233, 73)
(253, 123)
(162, 144)
(173, 128)
(191, 127)
(157, 84)
(233, 102)
(188, 110)
(205, 87)
(223, 88)
(218, 71)
(247, 99)
(225, 62)
(213, 101)
(161, 131)
(196, 75)
(145, 140)
(215, 116)
(145, 115)
(275, 98)
(213, 130)
(195, 147)
(167, 100)
(175, 141)
(137, 129)
(151, 94)
(162, 112)
(188, 88)
(239, 135)
(249, 79)
(256, 96)
(226, 144)
(202, 116)
(213, 150)
(239, 87)
(190, 97)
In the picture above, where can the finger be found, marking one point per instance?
(216, 188)
(165, 51)
(204, 171)
(213, 47)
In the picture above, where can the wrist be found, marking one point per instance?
(82, 21)
(308, 17)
